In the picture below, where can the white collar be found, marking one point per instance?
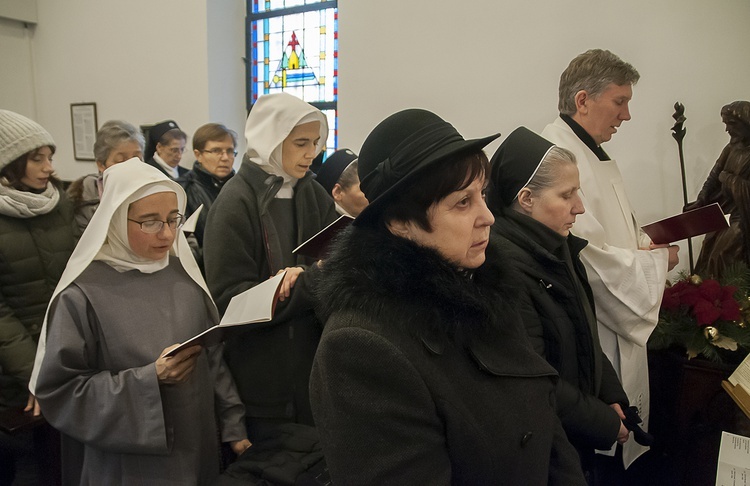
(168, 168)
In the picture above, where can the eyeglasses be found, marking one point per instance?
(154, 226)
(218, 152)
(176, 150)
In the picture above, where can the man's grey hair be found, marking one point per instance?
(592, 71)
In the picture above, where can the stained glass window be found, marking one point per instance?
(293, 47)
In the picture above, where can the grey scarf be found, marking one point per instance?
(25, 204)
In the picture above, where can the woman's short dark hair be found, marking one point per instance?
(16, 170)
(432, 186)
(212, 132)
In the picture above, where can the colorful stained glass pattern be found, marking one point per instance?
(296, 53)
(269, 5)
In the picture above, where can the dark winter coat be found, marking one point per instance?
(424, 374)
(181, 171)
(33, 255)
(201, 187)
(271, 363)
(560, 328)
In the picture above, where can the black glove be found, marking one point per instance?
(632, 419)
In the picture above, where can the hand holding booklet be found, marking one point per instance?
(685, 225)
(252, 306)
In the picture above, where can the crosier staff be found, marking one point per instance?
(678, 133)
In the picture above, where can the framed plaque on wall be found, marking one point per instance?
(84, 124)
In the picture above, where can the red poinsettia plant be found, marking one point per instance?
(705, 315)
(707, 300)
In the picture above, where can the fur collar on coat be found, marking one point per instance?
(388, 277)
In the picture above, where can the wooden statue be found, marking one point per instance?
(729, 185)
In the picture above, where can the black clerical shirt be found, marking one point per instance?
(585, 137)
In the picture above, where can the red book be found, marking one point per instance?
(685, 225)
(318, 244)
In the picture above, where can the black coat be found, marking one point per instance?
(181, 171)
(560, 328)
(241, 248)
(424, 376)
(201, 188)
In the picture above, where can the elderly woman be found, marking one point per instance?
(131, 291)
(534, 197)
(424, 374)
(214, 147)
(116, 141)
(166, 143)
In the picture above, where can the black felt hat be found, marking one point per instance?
(515, 163)
(157, 131)
(330, 171)
(399, 149)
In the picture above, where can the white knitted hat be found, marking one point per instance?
(20, 135)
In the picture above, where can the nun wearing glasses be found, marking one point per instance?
(130, 293)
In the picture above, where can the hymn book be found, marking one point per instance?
(738, 385)
(685, 225)
(189, 225)
(252, 306)
(733, 468)
(317, 245)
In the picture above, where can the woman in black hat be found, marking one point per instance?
(339, 176)
(166, 143)
(534, 198)
(424, 374)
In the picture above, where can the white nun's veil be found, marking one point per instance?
(103, 239)
(272, 119)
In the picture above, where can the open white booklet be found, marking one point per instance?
(250, 307)
(189, 225)
(738, 387)
(741, 375)
(733, 468)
